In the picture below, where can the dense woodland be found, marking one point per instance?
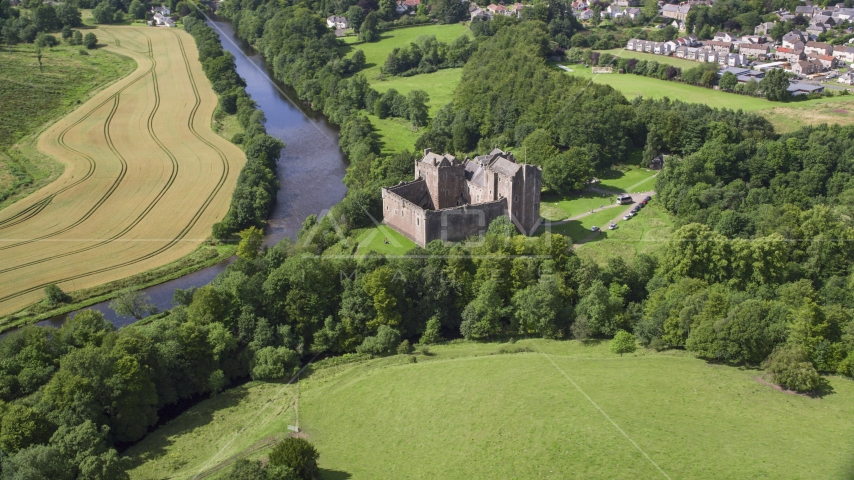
(759, 270)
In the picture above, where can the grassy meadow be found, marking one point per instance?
(532, 409)
(373, 240)
(120, 207)
(33, 97)
(398, 134)
(675, 61)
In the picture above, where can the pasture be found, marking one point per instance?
(675, 61)
(786, 117)
(647, 232)
(398, 134)
(33, 97)
(145, 176)
(532, 409)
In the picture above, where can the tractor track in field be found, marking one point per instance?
(36, 208)
(172, 176)
(186, 229)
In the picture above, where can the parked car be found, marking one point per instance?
(628, 216)
(612, 226)
(647, 199)
(594, 228)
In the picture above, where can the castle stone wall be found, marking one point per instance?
(459, 223)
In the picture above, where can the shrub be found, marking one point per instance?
(431, 332)
(405, 348)
(384, 342)
(271, 363)
(55, 295)
(297, 454)
(623, 342)
(790, 368)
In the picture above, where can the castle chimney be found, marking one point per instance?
(426, 151)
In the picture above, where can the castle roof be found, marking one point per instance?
(437, 160)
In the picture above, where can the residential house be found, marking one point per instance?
(679, 12)
(580, 5)
(823, 20)
(691, 53)
(707, 56)
(681, 51)
(672, 45)
(585, 15)
(718, 46)
(723, 37)
(736, 59)
(764, 28)
(661, 48)
(515, 9)
(805, 10)
(626, 3)
(406, 6)
(162, 10)
(827, 61)
(807, 67)
(613, 11)
(678, 24)
(788, 54)
(633, 13)
(792, 38)
(497, 9)
(804, 89)
(630, 45)
(477, 12)
(818, 47)
(846, 78)
(753, 49)
(336, 22)
(753, 39)
(846, 54)
(843, 14)
(816, 30)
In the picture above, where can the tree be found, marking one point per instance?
(355, 15)
(623, 342)
(790, 368)
(66, 32)
(250, 242)
(432, 332)
(130, 302)
(297, 454)
(137, 10)
(385, 341)
(775, 85)
(45, 18)
(55, 295)
(650, 10)
(77, 38)
(728, 81)
(388, 9)
(568, 171)
(104, 13)
(68, 15)
(539, 147)
(369, 30)
(417, 101)
(90, 41)
(22, 427)
(271, 363)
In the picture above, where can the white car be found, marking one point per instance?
(594, 228)
(627, 216)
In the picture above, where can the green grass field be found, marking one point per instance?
(633, 180)
(556, 207)
(646, 232)
(398, 134)
(33, 97)
(373, 240)
(676, 62)
(562, 410)
(579, 229)
(376, 53)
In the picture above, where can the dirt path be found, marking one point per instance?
(636, 199)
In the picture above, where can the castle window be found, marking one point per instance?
(418, 221)
(395, 211)
(386, 208)
(516, 198)
(478, 198)
(402, 213)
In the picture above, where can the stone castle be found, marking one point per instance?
(451, 200)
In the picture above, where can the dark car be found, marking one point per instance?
(647, 199)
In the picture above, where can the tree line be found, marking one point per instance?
(426, 55)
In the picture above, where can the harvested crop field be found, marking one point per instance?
(145, 176)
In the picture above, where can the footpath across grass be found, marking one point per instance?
(646, 232)
(531, 409)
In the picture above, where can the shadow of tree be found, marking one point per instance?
(327, 474)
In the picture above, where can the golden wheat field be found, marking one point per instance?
(145, 176)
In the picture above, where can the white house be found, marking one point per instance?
(846, 54)
(336, 22)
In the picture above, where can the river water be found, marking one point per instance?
(310, 170)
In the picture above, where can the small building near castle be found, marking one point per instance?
(450, 200)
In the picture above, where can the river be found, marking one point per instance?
(310, 170)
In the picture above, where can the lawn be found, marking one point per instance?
(376, 53)
(562, 409)
(556, 207)
(398, 134)
(579, 229)
(646, 232)
(633, 180)
(33, 97)
(786, 117)
(373, 240)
